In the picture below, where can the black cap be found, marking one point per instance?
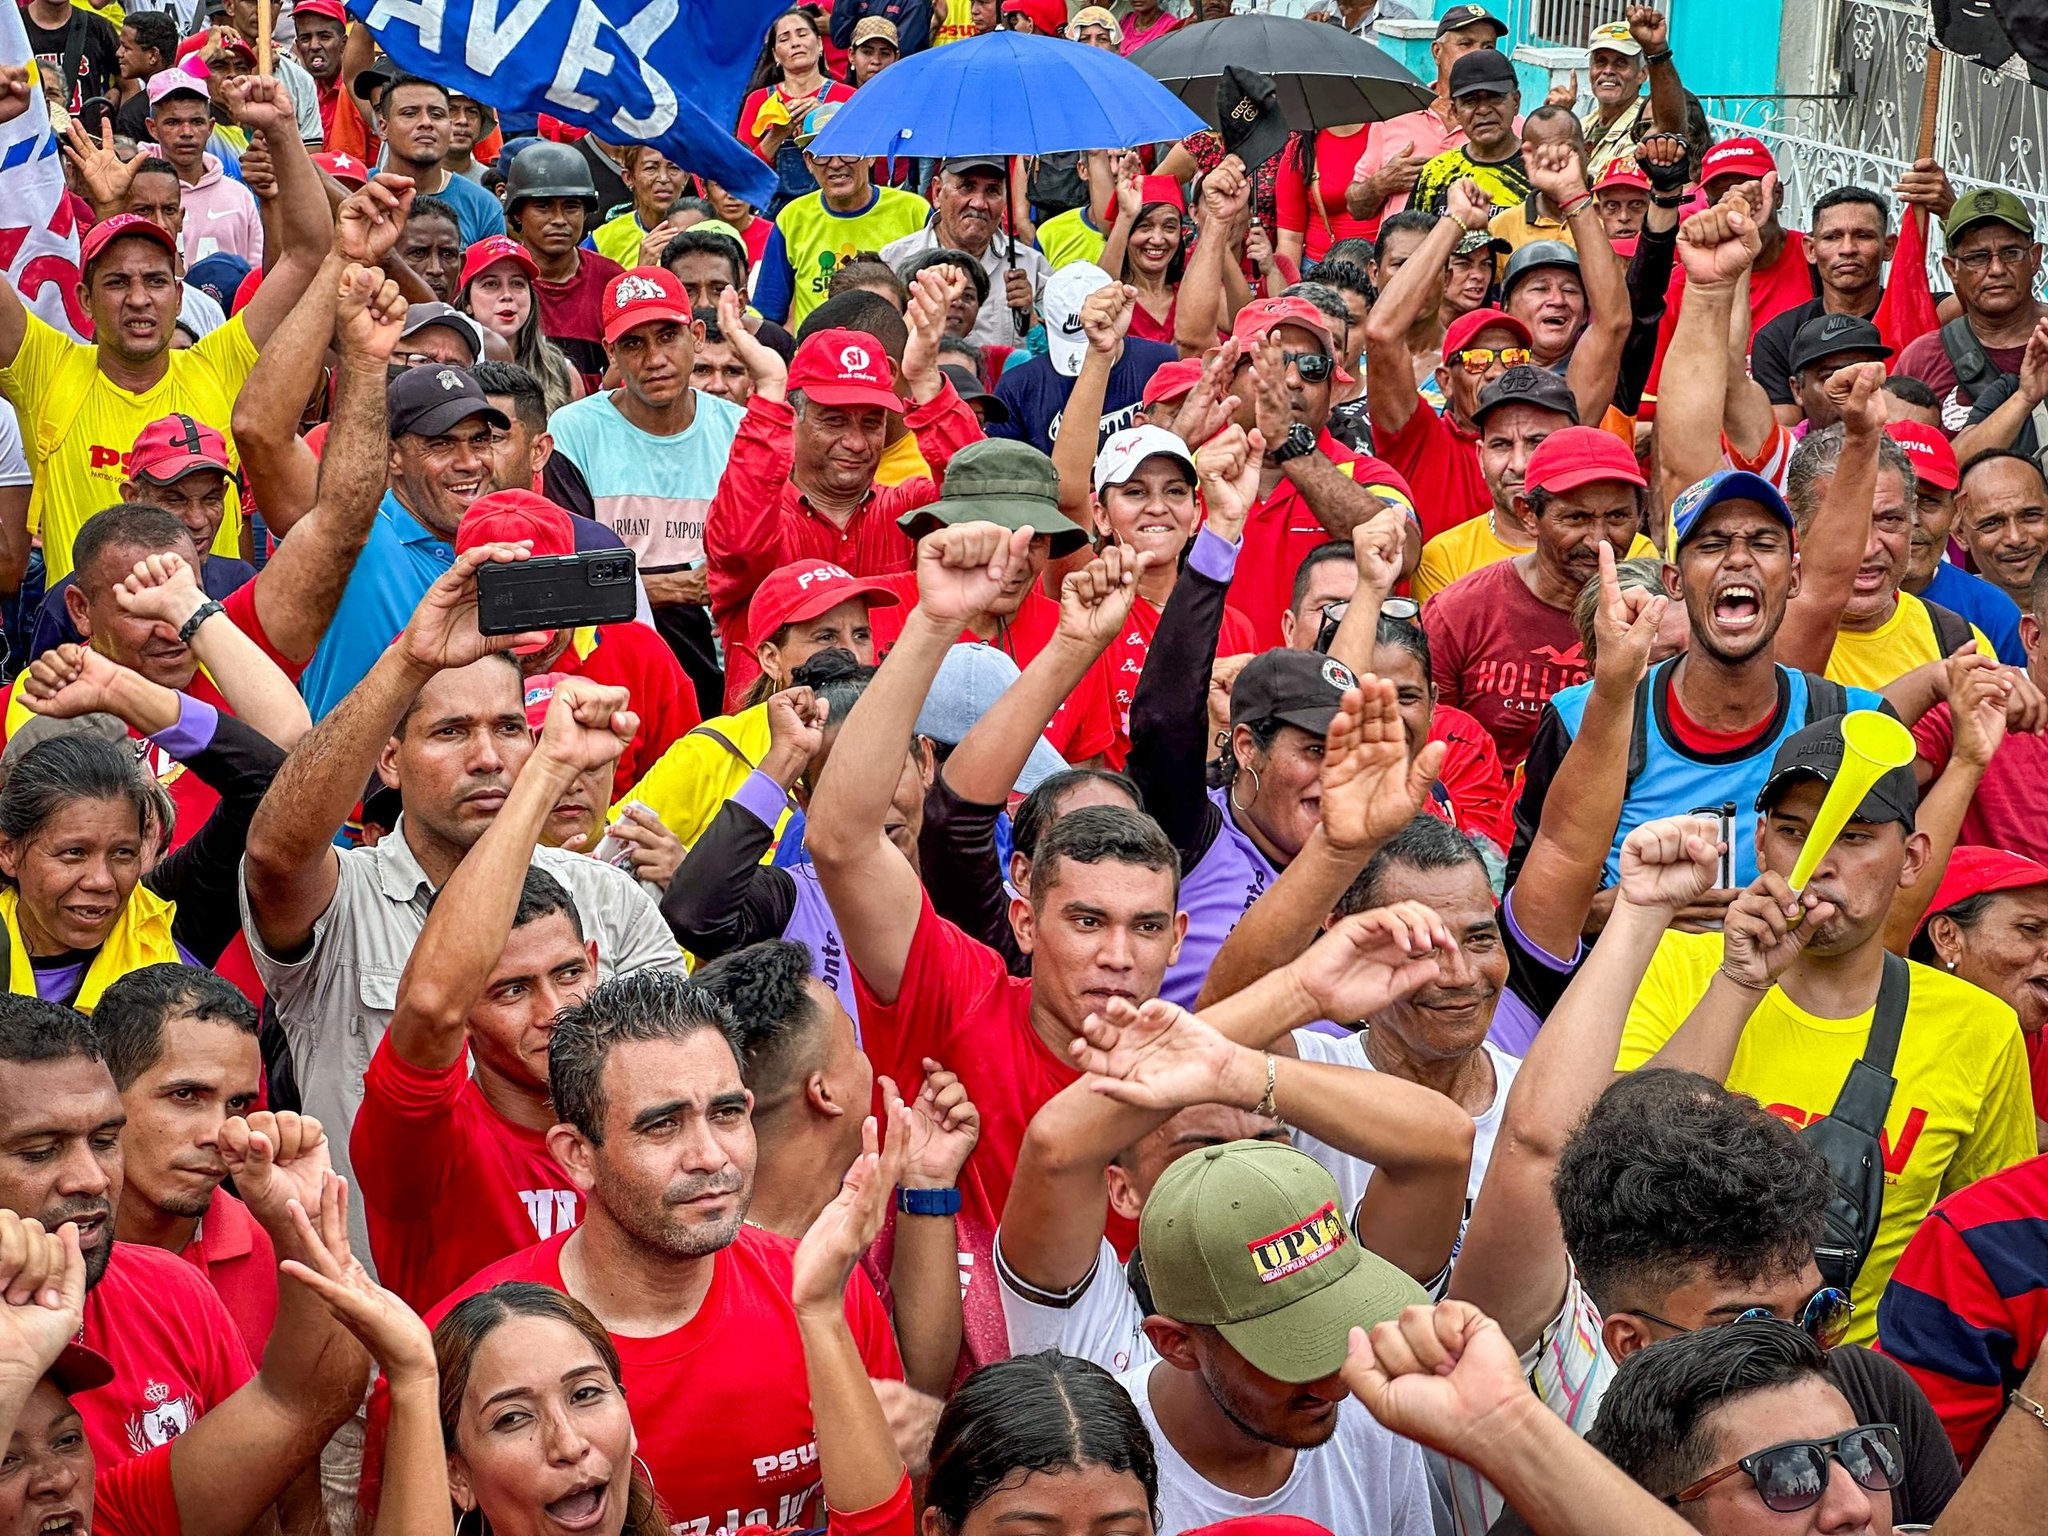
(373, 77)
(968, 388)
(1300, 688)
(430, 400)
(1248, 109)
(1827, 335)
(1537, 253)
(1528, 384)
(1484, 69)
(995, 163)
(1815, 751)
(1458, 17)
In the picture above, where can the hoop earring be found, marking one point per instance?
(1255, 791)
(478, 1511)
(645, 1475)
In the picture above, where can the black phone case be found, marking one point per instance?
(592, 586)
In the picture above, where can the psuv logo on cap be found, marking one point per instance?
(448, 378)
(1337, 675)
(822, 573)
(1293, 1249)
(855, 359)
(631, 290)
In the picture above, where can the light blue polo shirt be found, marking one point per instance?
(398, 564)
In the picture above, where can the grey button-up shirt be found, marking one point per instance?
(992, 323)
(336, 1000)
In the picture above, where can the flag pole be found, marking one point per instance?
(263, 44)
(1930, 101)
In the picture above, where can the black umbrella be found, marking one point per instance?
(1327, 77)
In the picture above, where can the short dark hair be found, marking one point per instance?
(32, 1030)
(641, 1005)
(511, 382)
(1348, 277)
(542, 895)
(127, 524)
(412, 705)
(1913, 391)
(1427, 844)
(1846, 197)
(1040, 809)
(1322, 554)
(857, 309)
(401, 80)
(947, 256)
(867, 271)
(154, 29)
(1103, 834)
(153, 165)
(1670, 1171)
(132, 1014)
(771, 1017)
(708, 242)
(707, 316)
(1409, 221)
(1404, 635)
(2037, 590)
(427, 206)
(1652, 1416)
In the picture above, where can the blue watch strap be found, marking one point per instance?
(928, 1202)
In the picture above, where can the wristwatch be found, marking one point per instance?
(1299, 440)
(928, 1202)
(200, 615)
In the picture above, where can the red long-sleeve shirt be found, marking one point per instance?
(760, 520)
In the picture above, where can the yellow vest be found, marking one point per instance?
(141, 936)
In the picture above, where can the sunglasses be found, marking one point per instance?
(1314, 367)
(1824, 1318)
(1793, 1476)
(1479, 359)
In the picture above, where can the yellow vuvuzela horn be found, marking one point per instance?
(1873, 744)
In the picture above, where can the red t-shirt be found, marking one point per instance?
(135, 1497)
(177, 1353)
(634, 657)
(1498, 652)
(572, 313)
(721, 1405)
(1785, 284)
(1085, 724)
(1126, 655)
(2008, 810)
(1926, 359)
(1318, 213)
(1440, 462)
(1282, 530)
(239, 1261)
(448, 1184)
(1473, 782)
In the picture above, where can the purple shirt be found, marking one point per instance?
(811, 922)
(1218, 891)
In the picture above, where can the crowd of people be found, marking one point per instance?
(1306, 1003)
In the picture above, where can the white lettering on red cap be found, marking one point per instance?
(822, 573)
(855, 359)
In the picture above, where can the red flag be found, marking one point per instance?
(1907, 308)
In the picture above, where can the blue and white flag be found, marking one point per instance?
(671, 73)
(38, 235)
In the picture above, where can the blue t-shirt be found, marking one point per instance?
(1036, 394)
(478, 215)
(397, 565)
(1983, 605)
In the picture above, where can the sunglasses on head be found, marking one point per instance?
(1824, 1318)
(1794, 1475)
(1479, 359)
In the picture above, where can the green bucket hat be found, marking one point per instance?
(997, 481)
(1250, 1238)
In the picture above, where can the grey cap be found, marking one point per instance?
(970, 680)
(33, 732)
(1536, 254)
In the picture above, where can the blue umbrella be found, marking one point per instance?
(1006, 94)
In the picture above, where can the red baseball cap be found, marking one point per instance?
(1934, 458)
(245, 290)
(1161, 189)
(1172, 381)
(841, 367)
(1263, 1525)
(540, 693)
(642, 295)
(79, 1368)
(1622, 173)
(491, 250)
(1976, 871)
(1574, 456)
(789, 594)
(341, 165)
(333, 10)
(1744, 157)
(1458, 335)
(120, 227)
(172, 447)
(505, 517)
(1260, 318)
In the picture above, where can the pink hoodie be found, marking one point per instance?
(220, 215)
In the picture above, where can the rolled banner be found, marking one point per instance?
(1873, 744)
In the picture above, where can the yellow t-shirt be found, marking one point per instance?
(1514, 225)
(620, 239)
(78, 426)
(696, 775)
(1873, 658)
(1069, 237)
(1473, 546)
(902, 460)
(1962, 1109)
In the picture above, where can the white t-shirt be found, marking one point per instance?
(1364, 1479)
(1351, 1173)
(14, 470)
(1099, 1321)
(198, 311)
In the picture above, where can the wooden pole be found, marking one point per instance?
(1930, 100)
(263, 44)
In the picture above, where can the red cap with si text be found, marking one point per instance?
(1934, 459)
(506, 517)
(1260, 318)
(841, 367)
(172, 447)
(1574, 456)
(642, 295)
(789, 594)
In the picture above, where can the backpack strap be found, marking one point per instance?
(74, 53)
(1975, 372)
(1951, 629)
(751, 766)
(1638, 735)
(1824, 697)
(1888, 1021)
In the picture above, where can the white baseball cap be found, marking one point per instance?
(1065, 342)
(1126, 450)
